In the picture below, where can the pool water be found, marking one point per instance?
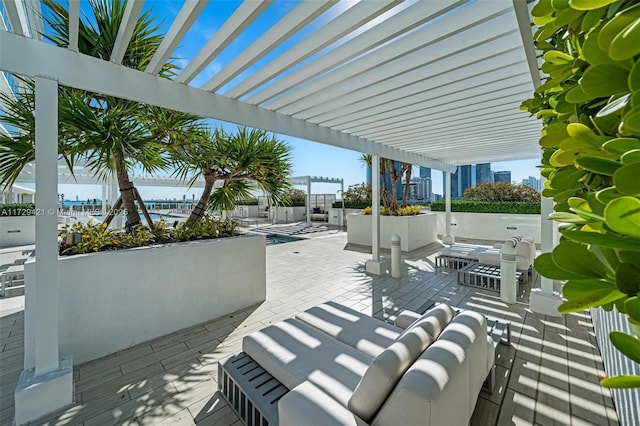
(273, 239)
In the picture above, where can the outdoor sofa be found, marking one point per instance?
(458, 256)
(332, 365)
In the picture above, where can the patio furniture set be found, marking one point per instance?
(334, 365)
(479, 266)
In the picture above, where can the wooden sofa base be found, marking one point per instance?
(250, 390)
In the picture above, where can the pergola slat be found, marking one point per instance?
(125, 32)
(74, 24)
(17, 16)
(295, 20)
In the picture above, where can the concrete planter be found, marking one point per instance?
(490, 226)
(335, 215)
(414, 231)
(110, 301)
(17, 230)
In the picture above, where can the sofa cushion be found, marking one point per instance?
(463, 252)
(443, 384)
(360, 331)
(433, 321)
(293, 352)
(385, 371)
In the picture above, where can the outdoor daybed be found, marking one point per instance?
(332, 365)
(458, 256)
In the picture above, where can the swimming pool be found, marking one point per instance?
(273, 239)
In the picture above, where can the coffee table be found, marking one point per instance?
(482, 276)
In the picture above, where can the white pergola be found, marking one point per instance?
(432, 83)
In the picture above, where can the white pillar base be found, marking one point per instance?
(448, 239)
(376, 267)
(38, 396)
(545, 303)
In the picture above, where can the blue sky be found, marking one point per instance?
(309, 158)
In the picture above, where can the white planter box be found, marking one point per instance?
(491, 226)
(17, 231)
(335, 215)
(245, 211)
(414, 231)
(110, 301)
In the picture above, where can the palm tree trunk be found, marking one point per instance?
(407, 186)
(198, 211)
(126, 193)
(394, 186)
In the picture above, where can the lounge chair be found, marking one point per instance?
(333, 365)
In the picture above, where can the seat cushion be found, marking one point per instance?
(385, 371)
(292, 352)
(360, 331)
(433, 321)
(463, 252)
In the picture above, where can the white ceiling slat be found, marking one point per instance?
(418, 126)
(292, 22)
(434, 111)
(34, 14)
(437, 113)
(439, 39)
(125, 32)
(396, 107)
(343, 24)
(183, 22)
(17, 16)
(405, 20)
(88, 73)
(368, 91)
(243, 16)
(4, 131)
(74, 25)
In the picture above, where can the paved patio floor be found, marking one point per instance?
(548, 376)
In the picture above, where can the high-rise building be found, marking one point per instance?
(420, 189)
(503, 176)
(534, 182)
(483, 173)
(425, 172)
(467, 177)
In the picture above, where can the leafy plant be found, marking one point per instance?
(359, 192)
(473, 206)
(402, 211)
(590, 108)
(395, 171)
(502, 191)
(351, 204)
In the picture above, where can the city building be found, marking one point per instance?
(503, 176)
(534, 182)
(467, 177)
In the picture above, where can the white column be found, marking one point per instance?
(447, 238)
(544, 300)
(104, 199)
(375, 265)
(309, 200)
(46, 309)
(48, 386)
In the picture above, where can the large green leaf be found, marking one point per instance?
(627, 344)
(576, 288)
(567, 177)
(604, 80)
(628, 278)
(599, 165)
(626, 179)
(621, 382)
(627, 43)
(546, 267)
(631, 157)
(632, 306)
(542, 8)
(604, 240)
(590, 300)
(589, 4)
(619, 146)
(577, 96)
(634, 77)
(631, 122)
(623, 216)
(566, 217)
(578, 260)
(615, 105)
(593, 53)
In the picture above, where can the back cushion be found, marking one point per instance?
(433, 321)
(385, 371)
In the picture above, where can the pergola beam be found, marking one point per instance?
(298, 18)
(243, 16)
(183, 22)
(125, 32)
(88, 73)
(74, 25)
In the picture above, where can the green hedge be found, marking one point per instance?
(248, 202)
(518, 207)
(351, 204)
(17, 209)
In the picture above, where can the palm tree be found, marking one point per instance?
(237, 159)
(388, 167)
(113, 134)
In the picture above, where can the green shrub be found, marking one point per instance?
(89, 237)
(349, 204)
(471, 206)
(413, 210)
(17, 209)
(248, 202)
